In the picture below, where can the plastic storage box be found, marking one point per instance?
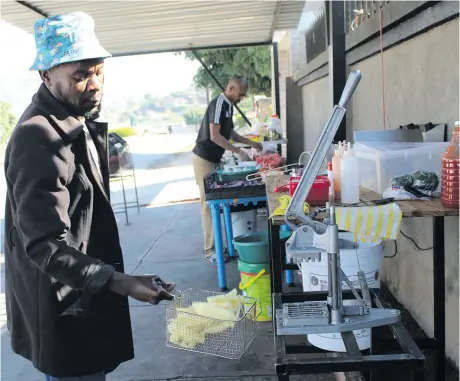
(319, 192)
(380, 161)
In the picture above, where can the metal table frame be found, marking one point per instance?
(215, 206)
(299, 359)
(284, 366)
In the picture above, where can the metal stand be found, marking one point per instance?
(335, 311)
(306, 359)
(125, 171)
(303, 358)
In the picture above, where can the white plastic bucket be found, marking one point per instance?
(242, 223)
(368, 258)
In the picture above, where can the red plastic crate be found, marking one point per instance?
(319, 193)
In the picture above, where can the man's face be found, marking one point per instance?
(237, 93)
(78, 85)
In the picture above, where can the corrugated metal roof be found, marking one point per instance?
(134, 27)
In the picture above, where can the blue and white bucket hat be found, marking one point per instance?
(66, 38)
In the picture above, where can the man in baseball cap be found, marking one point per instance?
(66, 291)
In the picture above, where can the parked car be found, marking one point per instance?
(119, 155)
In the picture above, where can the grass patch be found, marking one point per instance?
(124, 131)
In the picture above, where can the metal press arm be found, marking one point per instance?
(295, 210)
(310, 243)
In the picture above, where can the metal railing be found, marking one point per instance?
(316, 35)
(357, 12)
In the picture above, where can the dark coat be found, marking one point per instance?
(62, 246)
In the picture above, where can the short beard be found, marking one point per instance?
(94, 113)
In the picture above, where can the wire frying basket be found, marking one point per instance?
(196, 333)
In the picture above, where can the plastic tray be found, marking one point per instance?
(256, 190)
(224, 176)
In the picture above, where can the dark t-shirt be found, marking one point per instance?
(219, 111)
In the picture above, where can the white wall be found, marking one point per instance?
(316, 110)
(421, 82)
(421, 85)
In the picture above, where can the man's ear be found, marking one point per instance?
(46, 77)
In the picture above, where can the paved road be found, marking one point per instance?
(164, 172)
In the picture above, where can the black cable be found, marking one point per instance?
(410, 239)
(396, 251)
(415, 243)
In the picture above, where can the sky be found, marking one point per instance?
(125, 77)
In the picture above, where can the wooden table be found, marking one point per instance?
(432, 208)
(409, 209)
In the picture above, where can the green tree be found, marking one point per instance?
(193, 115)
(7, 121)
(253, 63)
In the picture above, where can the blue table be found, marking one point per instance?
(215, 206)
(217, 227)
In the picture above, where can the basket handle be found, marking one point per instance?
(177, 294)
(258, 308)
(244, 286)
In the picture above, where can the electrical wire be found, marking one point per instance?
(395, 253)
(410, 239)
(415, 243)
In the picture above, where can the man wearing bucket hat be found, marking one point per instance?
(66, 291)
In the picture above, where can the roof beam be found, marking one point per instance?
(32, 8)
(275, 19)
(229, 46)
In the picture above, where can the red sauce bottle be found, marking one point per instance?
(450, 171)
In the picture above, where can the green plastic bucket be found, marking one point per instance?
(253, 268)
(253, 247)
(258, 286)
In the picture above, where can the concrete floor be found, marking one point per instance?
(151, 245)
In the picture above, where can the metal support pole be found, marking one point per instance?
(439, 292)
(276, 79)
(337, 63)
(32, 8)
(195, 53)
(336, 278)
(124, 198)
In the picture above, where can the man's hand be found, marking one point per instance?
(145, 288)
(258, 146)
(150, 289)
(243, 155)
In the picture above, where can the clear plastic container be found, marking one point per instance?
(336, 170)
(274, 129)
(380, 161)
(349, 173)
(450, 172)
